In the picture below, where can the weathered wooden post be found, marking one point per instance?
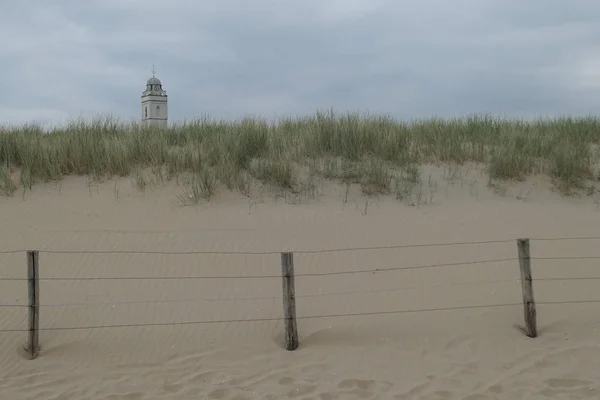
(33, 345)
(289, 301)
(526, 284)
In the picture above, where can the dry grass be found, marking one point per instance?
(377, 152)
(7, 185)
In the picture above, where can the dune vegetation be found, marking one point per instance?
(379, 153)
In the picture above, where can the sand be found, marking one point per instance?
(473, 353)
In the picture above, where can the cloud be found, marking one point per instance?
(231, 58)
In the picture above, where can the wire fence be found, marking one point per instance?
(288, 296)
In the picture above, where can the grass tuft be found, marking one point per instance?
(7, 185)
(199, 185)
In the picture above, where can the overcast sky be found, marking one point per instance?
(234, 58)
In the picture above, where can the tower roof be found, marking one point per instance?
(153, 81)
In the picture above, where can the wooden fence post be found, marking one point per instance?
(33, 345)
(526, 284)
(289, 301)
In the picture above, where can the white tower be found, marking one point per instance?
(154, 103)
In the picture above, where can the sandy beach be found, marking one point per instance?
(310, 200)
(470, 353)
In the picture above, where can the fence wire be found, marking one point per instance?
(280, 297)
(313, 295)
(317, 251)
(362, 271)
(333, 273)
(209, 322)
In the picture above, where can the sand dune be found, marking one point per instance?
(472, 353)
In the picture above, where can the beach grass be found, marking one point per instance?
(381, 154)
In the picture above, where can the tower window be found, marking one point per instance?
(146, 112)
(157, 108)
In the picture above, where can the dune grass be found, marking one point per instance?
(377, 152)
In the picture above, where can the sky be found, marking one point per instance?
(229, 59)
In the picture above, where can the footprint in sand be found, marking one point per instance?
(300, 390)
(329, 396)
(293, 389)
(569, 387)
(286, 380)
(566, 383)
(356, 383)
(219, 394)
(363, 389)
